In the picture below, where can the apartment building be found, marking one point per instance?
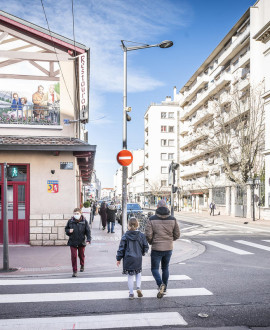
(161, 145)
(237, 64)
(43, 112)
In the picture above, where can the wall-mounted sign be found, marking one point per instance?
(66, 165)
(83, 85)
(52, 186)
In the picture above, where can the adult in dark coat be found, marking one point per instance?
(78, 230)
(111, 216)
(103, 214)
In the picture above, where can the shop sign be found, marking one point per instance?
(52, 186)
(66, 165)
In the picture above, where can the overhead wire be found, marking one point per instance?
(56, 52)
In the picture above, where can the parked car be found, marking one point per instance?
(133, 208)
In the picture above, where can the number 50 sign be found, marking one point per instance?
(52, 186)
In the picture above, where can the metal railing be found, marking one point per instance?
(31, 114)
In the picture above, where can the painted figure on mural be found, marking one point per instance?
(37, 97)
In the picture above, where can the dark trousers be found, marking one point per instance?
(212, 211)
(73, 250)
(162, 257)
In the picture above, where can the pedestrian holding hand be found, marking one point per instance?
(161, 230)
(132, 247)
(78, 230)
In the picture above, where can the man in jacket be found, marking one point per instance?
(111, 215)
(77, 228)
(161, 230)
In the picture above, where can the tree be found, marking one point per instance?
(236, 133)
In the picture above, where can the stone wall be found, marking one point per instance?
(48, 229)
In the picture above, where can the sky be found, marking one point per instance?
(195, 26)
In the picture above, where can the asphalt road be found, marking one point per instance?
(228, 284)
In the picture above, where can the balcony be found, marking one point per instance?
(189, 172)
(184, 128)
(30, 115)
(201, 116)
(188, 95)
(190, 139)
(235, 46)
(204, 95)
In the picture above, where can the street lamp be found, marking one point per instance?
(254, 183)
(163, 44)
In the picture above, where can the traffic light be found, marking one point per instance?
(174, 189)
(172, 168)
(13, 171)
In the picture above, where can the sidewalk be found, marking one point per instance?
(100, 256)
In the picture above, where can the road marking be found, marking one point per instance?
(96, 322)
(191, 227)
(258, 246)
(95, 295)
(86, 280)
(227, 247)
(266, 240)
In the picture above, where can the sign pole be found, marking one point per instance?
(5, 223)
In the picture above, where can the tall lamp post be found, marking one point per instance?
(254, 183)
(163, 44)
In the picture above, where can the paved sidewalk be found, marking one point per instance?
(100, 255)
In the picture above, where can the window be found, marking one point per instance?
(163, 128)
(163, 115)
(170, 156)
(171, 129)
(219, 195)
(163, 183)
(171, 114)
(164, 169)
(164, 143)
(164, 156)
(171, 143)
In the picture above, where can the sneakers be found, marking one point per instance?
(82, 269)
(139, 293)
(74, 274)
(131, 296)
(162, 290)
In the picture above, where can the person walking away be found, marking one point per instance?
(111, 215)
(103, 215)
(132, 247)
(78, 230)
(161, 230)
(94, 207)
(212, 208)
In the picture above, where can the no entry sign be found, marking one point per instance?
(124, 157)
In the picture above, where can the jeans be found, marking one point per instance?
(74, 252)
(112, 227)
(163, 257)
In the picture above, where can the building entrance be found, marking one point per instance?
(18, 203)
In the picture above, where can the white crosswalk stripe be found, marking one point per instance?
(228, 248)
(117, 321)
(258, 246)
(112, 321)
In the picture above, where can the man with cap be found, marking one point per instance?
(161, 230)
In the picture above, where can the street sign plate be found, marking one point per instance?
(124, 157)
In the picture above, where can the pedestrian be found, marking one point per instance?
(161, 230)
(212, 207)
(111, 215)
(77, 228)
(132, 247)
(103, 215)
(94, 207)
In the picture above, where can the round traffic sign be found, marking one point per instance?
(124, 157)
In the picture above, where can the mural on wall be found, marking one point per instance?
(38, 104)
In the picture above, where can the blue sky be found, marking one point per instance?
(195, 26)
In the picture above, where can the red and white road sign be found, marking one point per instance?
(124, 157)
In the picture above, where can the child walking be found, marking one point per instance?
(132, 247)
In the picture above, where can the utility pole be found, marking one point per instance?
(5, 223)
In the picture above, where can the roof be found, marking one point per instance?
(44, 143)
(40, 32)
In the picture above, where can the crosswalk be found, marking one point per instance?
(237, 250)
(60, 292)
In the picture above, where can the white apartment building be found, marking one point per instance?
(239, 62)
(161, 131)
(117, 185)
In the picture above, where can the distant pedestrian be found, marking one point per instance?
(132, 247)
(161, 230)
(77, 228)
(212, 207)
(111, 215)
(94, 208)
(103, 215)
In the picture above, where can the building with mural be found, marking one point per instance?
(43, 112)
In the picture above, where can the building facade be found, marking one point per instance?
(43, 113)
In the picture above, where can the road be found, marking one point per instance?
(225, 287)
